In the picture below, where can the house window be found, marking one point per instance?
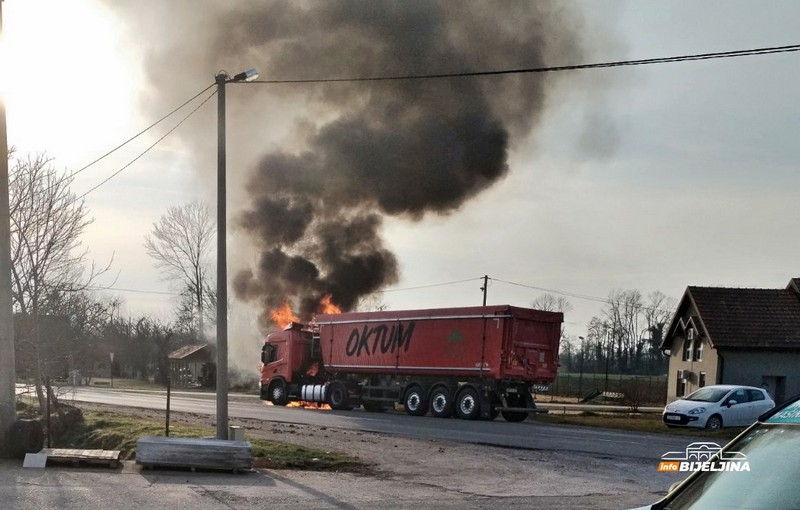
(680, 388)
(698, 350)
(701, 380)
(687, 349)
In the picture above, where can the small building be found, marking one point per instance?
(735, 336)
(191, 366)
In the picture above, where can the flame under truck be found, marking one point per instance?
(474, 362)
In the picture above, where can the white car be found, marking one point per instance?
(718, 406)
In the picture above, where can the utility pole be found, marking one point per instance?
(8, 412)
(485, 287)
(222, 258)
(222, 267)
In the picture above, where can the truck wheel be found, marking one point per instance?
(468, 406)
(278, 394)
(338, 397)
(373, 407)
(514, 416)
(415, 402)
(441, 403)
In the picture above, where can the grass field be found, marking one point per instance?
(650, 422)
(116, 431)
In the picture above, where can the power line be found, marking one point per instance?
(553, 291)
(660, 60)
(136, 291)
(576, 295)
(150, 147)
(425, 286)
(137, 135)
(598, 65)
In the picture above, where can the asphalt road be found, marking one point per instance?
(528, 434)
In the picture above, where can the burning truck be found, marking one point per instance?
(473, 362)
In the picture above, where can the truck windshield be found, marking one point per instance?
(770, 484)
(269, 354)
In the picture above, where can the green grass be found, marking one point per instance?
(639, 422)
(116, 431)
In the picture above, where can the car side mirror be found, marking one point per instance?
(731, 402)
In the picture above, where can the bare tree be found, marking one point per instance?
(47, 222)
(551, 303)
(632, 331)
(622, 312)
(657, 315)
(181, 244)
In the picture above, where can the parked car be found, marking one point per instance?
(718, 406)
(757, 470)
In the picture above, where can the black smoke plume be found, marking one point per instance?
(403, 148)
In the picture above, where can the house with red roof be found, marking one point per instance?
(735, 336)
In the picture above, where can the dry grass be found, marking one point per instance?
(637, 422)
(110, 430)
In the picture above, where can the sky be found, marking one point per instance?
(650, 177)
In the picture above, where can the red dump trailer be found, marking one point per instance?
(474, 362)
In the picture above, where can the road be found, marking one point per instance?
(528, 435)
(549, 467)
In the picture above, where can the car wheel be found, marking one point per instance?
(714, 422)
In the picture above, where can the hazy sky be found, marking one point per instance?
(649, 178)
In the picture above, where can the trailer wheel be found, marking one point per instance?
(338, 397)
(277, 393)
(514, 416)
(468, 406)
(441, 402)
(415, 402)
(494, 414)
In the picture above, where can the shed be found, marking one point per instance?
(192, 366)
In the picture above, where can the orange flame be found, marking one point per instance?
(284, 315)
(326, 306)
(309, 405)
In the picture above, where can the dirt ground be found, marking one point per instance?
(528, 478)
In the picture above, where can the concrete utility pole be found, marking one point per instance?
(222, 261)
(222, 267)
(8, 412)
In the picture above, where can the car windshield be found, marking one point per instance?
(768, 483)
(708, 395)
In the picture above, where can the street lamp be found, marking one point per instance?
(221, 79)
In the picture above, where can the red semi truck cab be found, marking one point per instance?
(375, 358)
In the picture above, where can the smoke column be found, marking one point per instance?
(362, 150)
